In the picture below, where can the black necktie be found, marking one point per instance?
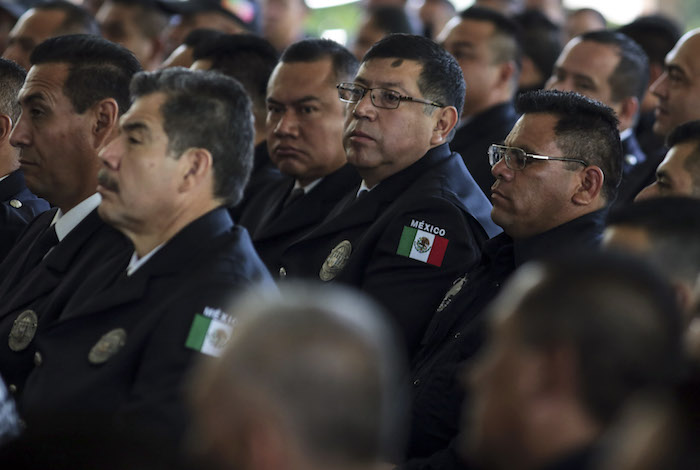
(40, 248)
(293, 196)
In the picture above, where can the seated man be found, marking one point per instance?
(555, 177)
(304, 130)
(18, 205)
(121, 346)
(573, 341)
(418, 218)
(312, 379)
(679, 172)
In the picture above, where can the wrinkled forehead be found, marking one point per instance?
(534, 133)
(392, 72)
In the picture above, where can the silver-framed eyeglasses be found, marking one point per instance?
(381, 97)
(517, 158)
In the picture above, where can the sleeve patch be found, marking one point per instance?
(423, 245)
(210, 332)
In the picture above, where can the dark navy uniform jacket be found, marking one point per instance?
(264, 172)
(472, 141)
(118, 349)
(45, 287)
(18, 206)
(457, 331)
(362, 235)
(274, 227)
(638, 171)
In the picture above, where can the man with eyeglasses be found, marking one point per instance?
(556, 174)
(418, 218)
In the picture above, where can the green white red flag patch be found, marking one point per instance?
(422, 246)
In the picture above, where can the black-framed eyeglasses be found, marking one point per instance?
(517, 158)
(381, 97)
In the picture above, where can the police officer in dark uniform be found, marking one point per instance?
(551, 195)
(59, 133)
(121, 346)
(305, 138)
(17, 203)
(418, 218)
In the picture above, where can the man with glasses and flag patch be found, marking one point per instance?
(556, 174)
(418, 218)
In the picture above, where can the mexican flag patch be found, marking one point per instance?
(422, 246)
(210, 332)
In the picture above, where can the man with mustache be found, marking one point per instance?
(120, 348)
(418, 217)
(304, 132)
(555, 175)
(70, 103)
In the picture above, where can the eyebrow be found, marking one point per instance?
(675, 68)
(138, 127)
(577, 76)
(34, 97)
(390, 85)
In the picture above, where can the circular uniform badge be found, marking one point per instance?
(336, 261)
(23, 330)
(107, 346)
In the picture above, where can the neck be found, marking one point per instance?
(148, 237)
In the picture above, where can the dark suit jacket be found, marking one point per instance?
(472, 141)
(46, 287)
(638, 171)
(140, 381)
(18, 206)
(437, 191)
(263, 174)
(273, 227)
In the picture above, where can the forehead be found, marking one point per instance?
(146, 110)
(45, 81)
(590, 58)
(302, 79)
(110, 11)
(686, 55)
(534, 133)
(38, 24)
(469, 31)
(674, 161)
(401, 74)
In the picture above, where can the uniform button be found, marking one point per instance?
(37, 359)
(16, 203)
(457, 335)
(283, 272)
(12, 388)
(416, 382)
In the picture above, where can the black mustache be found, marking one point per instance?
(106, 182)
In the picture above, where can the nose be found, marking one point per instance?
(287, 124)
(21, 135)
(364, 108)
(111, 154)
(501, 171)
(649, 192)
(659, 87)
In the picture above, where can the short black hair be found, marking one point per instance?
(390, 19)
(586, 129)
(688, 132)
(441, 78)
(98, 68)
(540, 41)
(311, 50)
(656, 34)
(77, 21)
(673, 227)
(201, 35)
(150, 19)
(505, 42)
(247, 58)
(209, 110)
(12, 78)
(631, 76)
(618, 315)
